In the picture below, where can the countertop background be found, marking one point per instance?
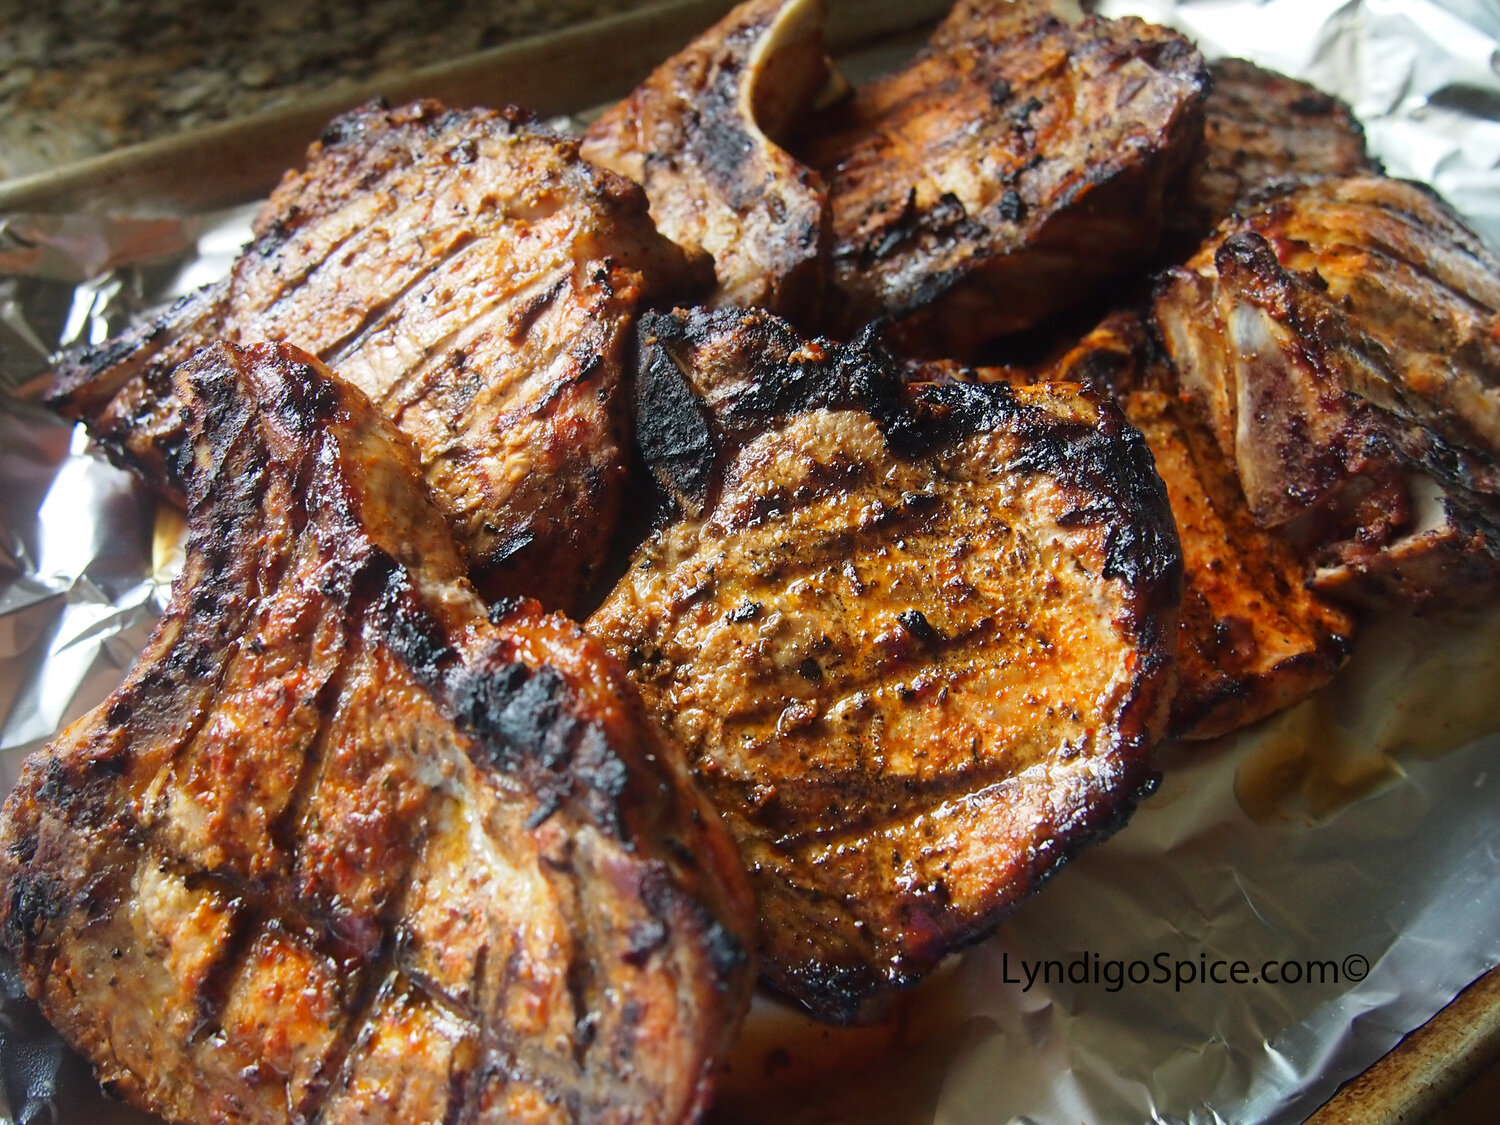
(83, 77)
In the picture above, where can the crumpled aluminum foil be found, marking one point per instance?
(1358, 826)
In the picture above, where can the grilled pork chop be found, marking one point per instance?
(701, 135)
(1252, 639)
(341, 848)
(472, 275)
(1263, 129)
(916, 643)
(1344, 342)
(1016, 165)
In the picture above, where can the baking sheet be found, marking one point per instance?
(1354, 832)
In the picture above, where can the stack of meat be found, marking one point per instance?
(891, 575)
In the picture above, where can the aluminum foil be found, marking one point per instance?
(1352, 837)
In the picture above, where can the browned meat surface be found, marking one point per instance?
(1016, 165)
(1252, 638)
(916, 643)
(1263, 129)
(343, 849)
(1344, 342)
(701, 134)
(478, 280)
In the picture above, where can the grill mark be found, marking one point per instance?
(467, 1011)
(895, 786)
(463, 1101)
(213, 990)
(487, 323)
(360, 1019)
(1422, 277)
(821, 556)
(264, 579)
(498, 1050)
(415, 207)
(255, 913)
(226, 553)
(381, 311)
(404, 183)
(364, 1022)
(1355, 215)
(955, 804)
(532, 308)
(588, 954)
(288, 829)
(580, 975)
(861, 803)
(1316, 218)
(304, 242)
(98, 374)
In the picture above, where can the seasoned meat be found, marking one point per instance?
(1252, 639)
(343, 849)
(478, 280)
(1016, 165)
(1344, 342)
(701, 134)
(1263, 129)
(916, 643)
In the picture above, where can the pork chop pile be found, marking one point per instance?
(892, 574)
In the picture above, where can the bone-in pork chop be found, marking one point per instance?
(701, 134)
(916, 644)
(1252, 638)
(477, 279)
(1014, 167)
(342, 848)
(1343, 340)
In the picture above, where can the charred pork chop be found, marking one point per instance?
(1252, 639)
(1344, 342)
(1016, 165)
(1263, 129)
(343, 849)
(474, 277)
(916, 642)
(701, 135)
